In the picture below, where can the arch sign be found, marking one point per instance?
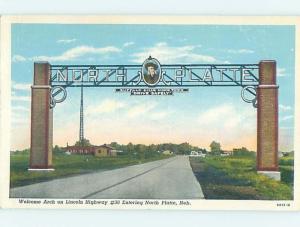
(257, 83)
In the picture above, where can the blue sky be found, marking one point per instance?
(198, 117)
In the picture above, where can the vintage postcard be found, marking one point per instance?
(150, 112)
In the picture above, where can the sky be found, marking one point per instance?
(198, 117)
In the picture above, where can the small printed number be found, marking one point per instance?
(283, 204)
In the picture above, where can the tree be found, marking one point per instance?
(203, 150)
(130, 147)
(243, 152)
(184, 148)
(152, 148)
(115, 145)
(215, 148)
(83, 143)
(56, 149)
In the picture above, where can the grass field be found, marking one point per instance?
(236, 178)
(67, 165)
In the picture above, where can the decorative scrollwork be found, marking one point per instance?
(251, 90)
(54, 92)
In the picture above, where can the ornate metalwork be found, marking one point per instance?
(185, 75)
(168, 76)
(251, 90)
(56, 90)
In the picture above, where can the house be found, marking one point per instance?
(99, 151)
(104, 150)
(80, 149)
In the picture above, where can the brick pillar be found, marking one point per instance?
(267, 120)
(41, 119)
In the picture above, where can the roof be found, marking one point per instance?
(89, 147)
(106, 146)
(80, 147)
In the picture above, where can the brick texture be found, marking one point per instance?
(267, 118)
(41, 119)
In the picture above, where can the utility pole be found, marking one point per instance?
(81, 130)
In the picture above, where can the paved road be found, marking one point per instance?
(164, 179)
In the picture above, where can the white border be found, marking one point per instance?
(196, 204)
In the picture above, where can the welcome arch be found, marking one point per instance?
(152, 78)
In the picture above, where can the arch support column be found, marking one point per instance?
(267, 121)
(41, 119)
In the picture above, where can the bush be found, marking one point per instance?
(243, 152)
(287, 174)
(286, 161)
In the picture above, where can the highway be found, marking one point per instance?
(163, 179)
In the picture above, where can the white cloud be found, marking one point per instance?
(127, 44)
(21, 86)
(71, 54)
(160, 115)
(20, 117)
(76, 52)
(18, 58)
(281, 72)
(140, 109)
(226, 117)
(132, 110)
(21, 98)
(284, 108)
(20, 108)
(19, 120)
(66, 41)
(285, 118)
(171, 54)
(214, 114)
(240, 51)
(106, 106)
(231, 125)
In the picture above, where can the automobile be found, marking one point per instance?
(202, 155)
(225, 154)
(197, 154)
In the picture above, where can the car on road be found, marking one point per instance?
(197, 154)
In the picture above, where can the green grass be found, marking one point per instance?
(286, 167)
(67, 165)
(236, 178)
(286, 161)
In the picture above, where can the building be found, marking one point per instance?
(104, 150)
(99, 151)
(80, 149)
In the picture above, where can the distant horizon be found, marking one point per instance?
(199, 115)
(155, 145)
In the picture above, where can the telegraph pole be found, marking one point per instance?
(81, 130)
